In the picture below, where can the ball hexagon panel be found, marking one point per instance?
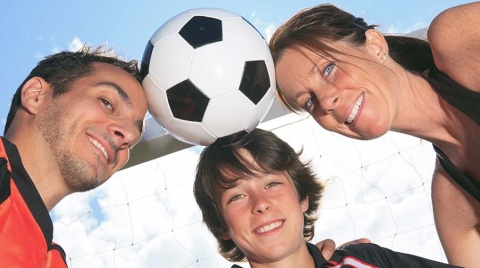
(249, 44)
(187, 102)
(190, 132)
(261, 109)
(228, 113)
(216, 69)
(255, 80)
(157, 100)
(270, 67)
(171, 27)
(145, 64)
(167, 70)
(200, 31)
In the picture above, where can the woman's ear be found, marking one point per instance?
(33, 94)
(304, 204)
(376, 44)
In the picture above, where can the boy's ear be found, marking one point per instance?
(34, 92)
(304, 204)
(376, 43)
(225, 236)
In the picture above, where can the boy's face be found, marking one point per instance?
(264, 217)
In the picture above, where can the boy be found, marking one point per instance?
(260, 201)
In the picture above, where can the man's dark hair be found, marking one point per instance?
(64, 68)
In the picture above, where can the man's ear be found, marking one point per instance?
(304, 204)
(34, 93)
(376, 43)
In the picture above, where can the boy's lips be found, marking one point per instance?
(268, 227)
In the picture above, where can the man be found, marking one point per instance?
(71, 125)
(260, 201)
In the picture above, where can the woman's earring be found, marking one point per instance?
(384, 58)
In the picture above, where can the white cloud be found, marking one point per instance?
(55, 46)
(269, 30)
(399, 28)
(265, 28)
(39, 56)
(75, 45)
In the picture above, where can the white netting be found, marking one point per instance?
(146, 215)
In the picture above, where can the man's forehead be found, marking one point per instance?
(127, 87)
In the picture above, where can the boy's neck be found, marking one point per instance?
(300, 258)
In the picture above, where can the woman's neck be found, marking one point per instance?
(422, 112)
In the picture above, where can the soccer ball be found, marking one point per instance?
(207, 73)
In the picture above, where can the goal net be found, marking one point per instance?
(146, 215)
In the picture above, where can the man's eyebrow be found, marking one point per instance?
(126, 99)
(123, 95)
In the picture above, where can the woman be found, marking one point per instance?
(361, 84)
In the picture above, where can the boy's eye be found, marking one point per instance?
(272, 184)
(106, 103)
(328, 69)
(235, 197)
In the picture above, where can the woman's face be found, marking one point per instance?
(350, 94)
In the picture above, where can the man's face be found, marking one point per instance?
(91, 128)
(264, 217)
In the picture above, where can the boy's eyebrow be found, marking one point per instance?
(125, 99)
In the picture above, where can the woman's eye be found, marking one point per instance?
(308, 105)
(107, 103)
(328, 69)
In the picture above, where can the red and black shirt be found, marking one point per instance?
(26, 229)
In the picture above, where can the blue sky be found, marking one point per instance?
(145, 216)
(30, 30)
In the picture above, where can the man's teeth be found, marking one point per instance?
(354, 112)
(269, 227)
(99, 146)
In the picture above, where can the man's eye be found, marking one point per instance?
(106, 103)
(328, 69)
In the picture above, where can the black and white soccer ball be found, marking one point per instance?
(208, 73)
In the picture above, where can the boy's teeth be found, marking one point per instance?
(269, 227)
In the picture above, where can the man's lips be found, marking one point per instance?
(99, 146)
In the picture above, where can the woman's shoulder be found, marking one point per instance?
(452, 23)
(454, 37)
